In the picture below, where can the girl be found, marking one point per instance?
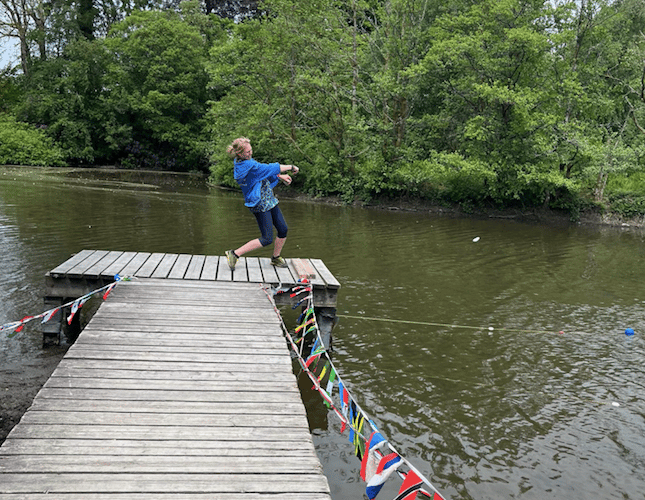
(257, 181)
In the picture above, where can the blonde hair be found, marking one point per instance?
(236, 148)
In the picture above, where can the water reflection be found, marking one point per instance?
(519, 411)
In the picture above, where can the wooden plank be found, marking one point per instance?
(159, 432)
(166, 496)
(268, 271)
(130, 316)
(224, 272)
(225, 331)
(172, 286)
(260, 349)
(215, 339)
(70, 482)
(317, 279)
(166, 407)
(285, 275)
(95, 270)
(78, 271)
(194, 270)
(118, 265)
(167, 385)
(330, 280)
(209, 272)
(249, 327)
(73, 261)
(167, 356)
(203, 376)
(149, 266)
(155, 463)
(185, 396)
(240, 273)
(164, 267)
(303, 269)
(125, 447)
(221, 348)
(163, 365)
(253, 269)
(141, 419)
(179, 267)
(135, 264)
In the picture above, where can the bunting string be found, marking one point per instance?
(11, 330)
(379, 458)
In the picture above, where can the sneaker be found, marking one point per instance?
(231, 258)
(278, 262)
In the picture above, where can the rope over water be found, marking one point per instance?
(447, 325)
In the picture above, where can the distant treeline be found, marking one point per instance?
(532, 103)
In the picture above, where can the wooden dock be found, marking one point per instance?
(91, 269)
(178, 388)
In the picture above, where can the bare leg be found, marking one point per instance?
(250, 246)
(277, 248)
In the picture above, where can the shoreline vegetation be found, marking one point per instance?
(153, 179)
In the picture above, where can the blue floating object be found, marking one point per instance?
(117, 277)
(629, 332)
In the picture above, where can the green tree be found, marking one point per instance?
(597, 65)
(66, 94)
(157, 89)
(487, 78)
(288, 81)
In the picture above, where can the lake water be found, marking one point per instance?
(451, 345)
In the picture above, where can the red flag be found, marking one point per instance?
(107, 292)
(23, 321)
(410, 486)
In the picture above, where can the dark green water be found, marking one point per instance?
(499, 406)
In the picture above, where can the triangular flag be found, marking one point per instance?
(107, 292)
(330, 381)
(78, 303)
(374, 439)
(386, 466)
(410, 486)
(49, 314)
(22, 323)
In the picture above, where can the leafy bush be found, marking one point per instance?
(447, 177)
(24, 144)
(627, 205)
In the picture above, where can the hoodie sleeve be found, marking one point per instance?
(249, 174)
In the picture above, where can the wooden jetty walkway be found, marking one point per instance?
(176, 389)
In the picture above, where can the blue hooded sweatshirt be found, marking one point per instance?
(249, 174)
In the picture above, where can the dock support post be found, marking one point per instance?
(54, 327)
(326, 319)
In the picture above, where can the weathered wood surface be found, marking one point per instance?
(106, 264)
(175, 390)
(90, 269)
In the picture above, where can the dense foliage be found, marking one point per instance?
(525, 103)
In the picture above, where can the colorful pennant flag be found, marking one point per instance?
(78, 303)
(107, 292)
(387, 465)
(410, 486)
(50, 314)
(22, 323)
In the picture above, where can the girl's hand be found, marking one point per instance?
(295, 169)
(285, 178)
